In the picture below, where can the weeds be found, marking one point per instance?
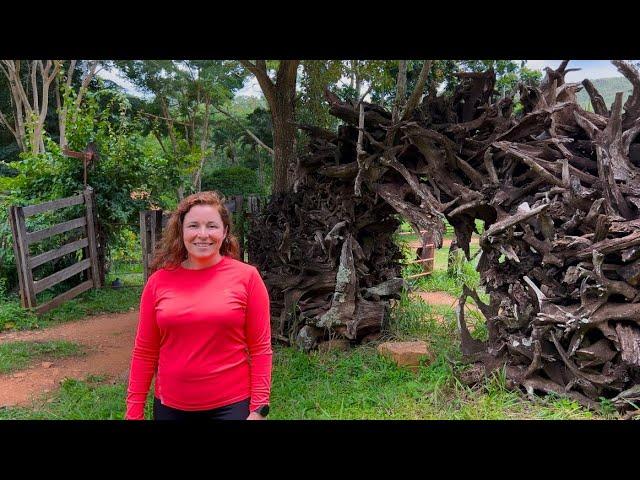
(17, 355)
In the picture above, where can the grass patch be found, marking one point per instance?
(92, 302)
(357, 384)
(79, 400)
(14, 317)
(17, 355)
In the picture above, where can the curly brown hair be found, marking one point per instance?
(172, 251)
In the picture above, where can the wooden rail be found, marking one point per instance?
(26, 262)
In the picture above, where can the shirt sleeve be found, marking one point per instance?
(144, 358)
(258, 334)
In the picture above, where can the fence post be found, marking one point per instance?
(151, 226)
(91, 236)
(253, 207)
(240, 224)
(428, 251)
(143, 244)
(21, 251)
(20, 257)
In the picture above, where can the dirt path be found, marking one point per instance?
(107, 340)
(446, 242)
(448, 300)
(438, 298)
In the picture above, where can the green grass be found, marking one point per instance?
(92, 302)
(358, 384)
(440, 280)
(91, 399)
(17, 355)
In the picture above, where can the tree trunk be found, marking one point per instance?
(401, 90)
(280, 97)
(284, 138)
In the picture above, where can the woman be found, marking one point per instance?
(204, 324)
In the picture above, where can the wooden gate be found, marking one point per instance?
(425, 253)
(26, 262)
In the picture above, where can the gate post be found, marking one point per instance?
(20, 250)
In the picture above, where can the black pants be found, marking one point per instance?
(234, 411)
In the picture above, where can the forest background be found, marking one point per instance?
(189, 130)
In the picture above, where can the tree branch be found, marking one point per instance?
(166, 119)
(251, 134)
(401, 89)
(260, 72)
(417, 92)
(5, 122)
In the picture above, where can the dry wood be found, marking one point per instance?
(91, 235)
(558, 190)
(58, 252)
(54, 205)
(63, 297)
(21, 252)
(55, 278)
(39, 235)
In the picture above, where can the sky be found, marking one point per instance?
(589, 69)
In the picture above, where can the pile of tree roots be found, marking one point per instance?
(558, 190)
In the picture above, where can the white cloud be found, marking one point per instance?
(588, 68)
(129, 87)
(251, 88)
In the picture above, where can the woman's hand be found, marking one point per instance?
(255, 416)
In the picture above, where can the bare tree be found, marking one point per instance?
(29, 108)
(30, 90)
(63, 108)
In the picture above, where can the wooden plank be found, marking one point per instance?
(91, 236)
(240, 224)
(253, 208)
(230, 206)
(29, 298)
(63, 274)
(143, 244)
(17, 254)
(63, 297)
(54, 205)
(53, 254)
(152, 228)
(418, 275)
(38, 235)
(419, 261)
(253, 204)
(159, 227)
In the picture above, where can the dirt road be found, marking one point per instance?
(107, 340)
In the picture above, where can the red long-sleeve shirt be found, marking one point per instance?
(206, 336)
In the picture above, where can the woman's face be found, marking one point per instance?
(203, 232)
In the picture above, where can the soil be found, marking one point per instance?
(446, 299)
(106, 339)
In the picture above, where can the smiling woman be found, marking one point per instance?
(204, 328)
(203, 233)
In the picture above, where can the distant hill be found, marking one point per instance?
(608, 87)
